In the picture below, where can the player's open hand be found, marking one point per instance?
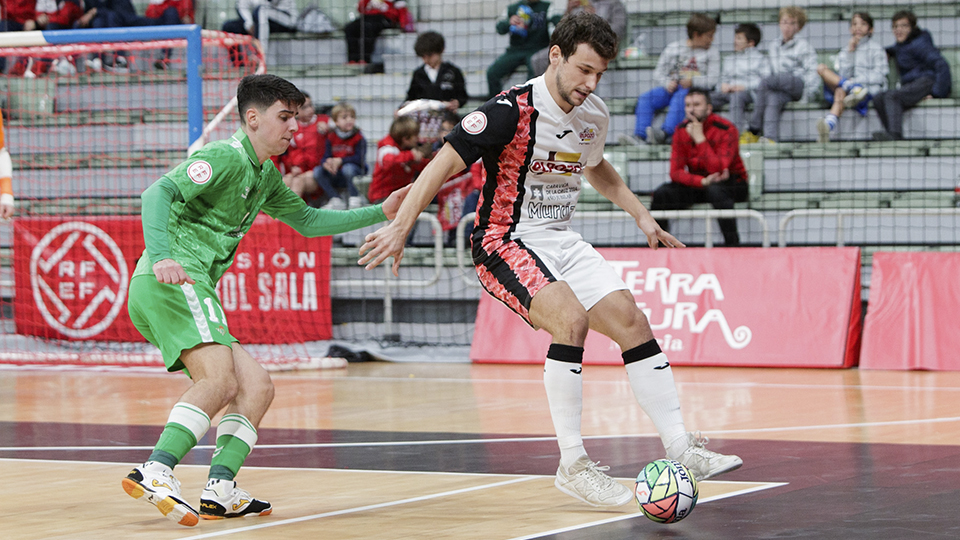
(392, 205)
(655, 234)
(381, 244)
(169, 271)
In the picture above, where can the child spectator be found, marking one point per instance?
(375, 16)
(50, 15)
(305, 150)
(924, 73)
(861, 73)
(399, 160)
(793, 65)
(436, 79)
(683, 64)
(741, 74)
(526, 22)
(343, 160)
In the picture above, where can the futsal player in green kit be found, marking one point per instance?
(193, 220)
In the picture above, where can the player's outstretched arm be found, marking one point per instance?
(604, 178)
(388, 241)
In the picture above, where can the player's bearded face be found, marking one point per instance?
(578, 75)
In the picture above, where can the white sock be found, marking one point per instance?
(652, 382)
(564, 387)
(831, 120)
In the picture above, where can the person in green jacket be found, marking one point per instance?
(193, 220)
(526, 22)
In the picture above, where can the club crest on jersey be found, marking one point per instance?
(564, 163)
(200, 172)
(587, 135)
(474, 123)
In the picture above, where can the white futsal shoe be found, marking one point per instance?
(702, 462)
(154, 483)
(223, 499)
(586, 481)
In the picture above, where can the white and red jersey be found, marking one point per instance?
(533, 155)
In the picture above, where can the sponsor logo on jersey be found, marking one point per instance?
(200, 172)
(564, 163)
(474, 123)
(79, 279)
(538, 210)
(587, 135)
(564, 134)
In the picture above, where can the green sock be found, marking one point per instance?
(236, 437)
(186, 425)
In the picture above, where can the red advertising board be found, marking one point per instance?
(782, 307)
(72, 275)
(914, 308)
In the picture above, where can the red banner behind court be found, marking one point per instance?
(784, 307)
(73, 273)
(914, 308)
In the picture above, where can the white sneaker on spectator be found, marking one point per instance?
(354, 202)
(94, 64)
(335, 203)
(702, 462)
(64, 67)
(586, 481)
(630, 140)
(656, 135)
(855, 96)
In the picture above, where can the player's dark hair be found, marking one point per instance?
(750, 31)
(583, 27)
(700, 92)
(699, 23)
(404, 127)
(262, 91)
(905, 14)
(429, 43)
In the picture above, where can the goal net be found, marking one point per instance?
(90, 122)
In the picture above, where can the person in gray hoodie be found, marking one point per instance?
(793, 62)
(741, 74)
(924, 73)
(860, 73)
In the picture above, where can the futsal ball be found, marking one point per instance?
(666, 491)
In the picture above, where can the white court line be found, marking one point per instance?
(636, 514)
(359, 509)
(502, 440)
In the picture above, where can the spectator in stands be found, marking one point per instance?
(399, 159)
(16, 13)
(705, 165)
(6, 182)
(861, 73)
(344, 158)
(924, 74)
(682, 65)
(793, 64)
(163, 13)
(109, 14)
(741, 74)
(305, 151)
(260, 17)
(436, 79)
(612, 11)
(526, 22)
(375, 16)
(49, 15)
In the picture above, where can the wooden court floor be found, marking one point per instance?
(383, 450)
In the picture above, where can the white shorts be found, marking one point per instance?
(577, 263)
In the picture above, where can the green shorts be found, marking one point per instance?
(176, 318)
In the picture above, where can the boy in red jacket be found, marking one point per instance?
(399, 160)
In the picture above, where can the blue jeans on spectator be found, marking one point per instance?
(333, 183)
(654, 100)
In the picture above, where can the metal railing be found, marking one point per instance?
(841, 213)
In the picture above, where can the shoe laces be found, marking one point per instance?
(594, 474)
(698, 444)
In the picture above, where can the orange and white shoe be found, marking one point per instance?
(154, 483)
(223, 499)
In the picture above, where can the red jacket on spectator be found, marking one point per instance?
(20, 11)
(387, 8)
(690, 162)
(62, 12)
(184, 9)
(352, 149)
(395, 168)
(306, 148)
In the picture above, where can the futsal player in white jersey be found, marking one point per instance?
(536, 140)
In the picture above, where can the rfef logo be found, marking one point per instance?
(79, 279)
